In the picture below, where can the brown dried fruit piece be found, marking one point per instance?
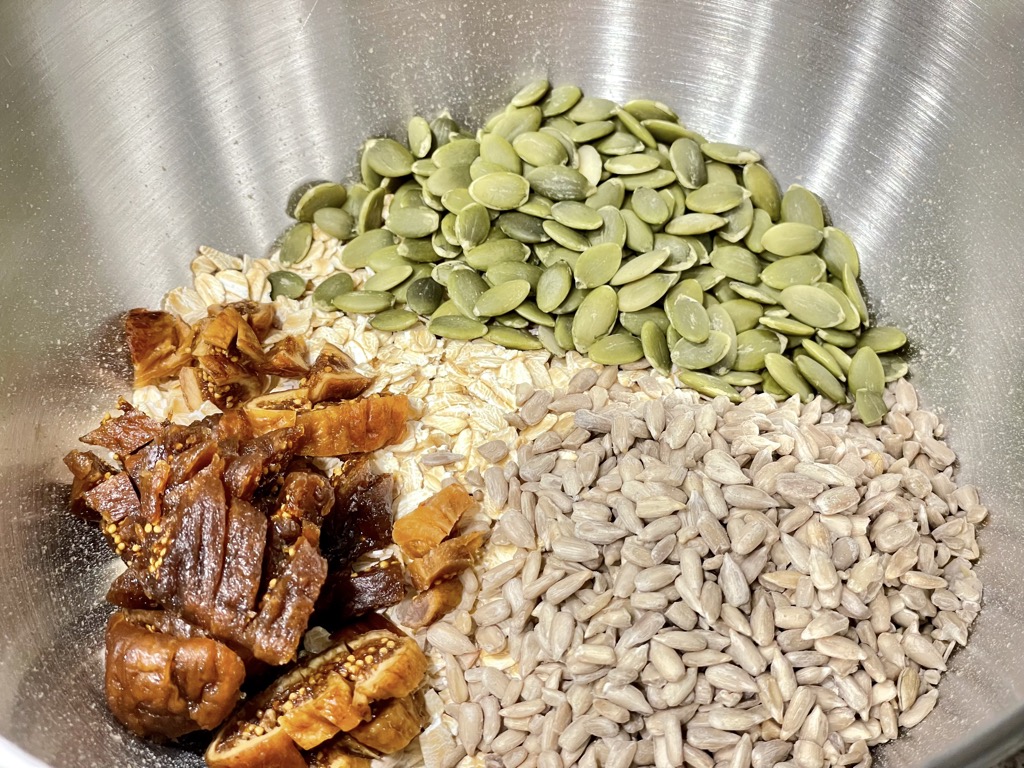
(88, 471)
(432, 521)
(160, 345)
(362, 516)
(394, 724)
(165, 679)
(447, 560)
(124, 434)
(354, 426)
(286, 358)
(340, 752)
(332, 377)
(424, 609)
(347, 595)
(278, 410)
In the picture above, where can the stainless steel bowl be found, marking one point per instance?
(131, 132)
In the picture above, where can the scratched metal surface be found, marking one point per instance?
(130, 132)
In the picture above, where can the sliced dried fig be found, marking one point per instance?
(450, 558)
(393, 724)
(124, 434)
(88, 470)
(160, 344)
(432, 521)
(286, 358)
(276, 410)
(424, 609)
(332, 377)
(354, 426)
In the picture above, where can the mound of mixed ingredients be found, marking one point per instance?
(566, 443)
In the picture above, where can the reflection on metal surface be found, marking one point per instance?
(132, 132)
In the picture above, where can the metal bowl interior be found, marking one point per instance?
(132, 132)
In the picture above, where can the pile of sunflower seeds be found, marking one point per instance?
(573, 223)
(693, 581)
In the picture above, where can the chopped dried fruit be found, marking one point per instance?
(424, 609)
(126, 433)
(332, 377)
(347, 595)
(89, 471)
(160, 345)
(168, 681)
(355, 426)
(449, 559)
(114, 499)
(286, 358)
(394, 724)
(432, 521)
(337, 753)
(361, 519)
(278, 410)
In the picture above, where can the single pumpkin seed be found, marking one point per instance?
(619, 143)
(538, 149)
(838, 250)
(549, 341)
(423, 167)
(364, 302)
(823, 357)
(456, 327)
(418, 271)
(472, 225)
(530, 311)
(791, 238)
(444, 128)
(512, 338)
(640, 266)
(572, 301)
(866, 371)
(590, 164)
(609, 193)
(597, 265)
(387, 279)
(734, 154)
(561, 99)
(754, 238)
(639, 235)
(424, 296)
(715, 197)
(566, 237)
(706, 275)
(356, 254)
(634, 321)
(616, 349)
(563, 331)
(752, 346)
(517, 121)
(842, 359)
(648, 109)
(737, 263)
(356, 195)
(285, 283)
(442, 272)
(668, 131)
(843, 339)
(760, 293)
(650, 206)
(688, 287)
(553, 287)
(738, 222)
(630, 164)
(385, 258)
(371, 215)
(388, 157)
(659, 177)
(796, 270)
(697, 356)
(536, 205)
(695, 224)
(296, 243)
(335, 285)
(336, 222)
(394, 320)
(801, 206)
(764, 189)
(413, 221)
(870, 407)
(418, 250)
(787, 376)
(852, 290)
(809, 304)
(724, 292)
(645, 291)
(742, 378)
(683, 252)
(655, 347)
(455, 200)
(481, 167)
(446, 309)
(707, 384)
(419, 135)
(883, 338)
(895, 367)
(514, 270)
(591, 131)
(444, 180)
(688, 163)
(592, 108)
(745, 313)
(559, 183)
(852, 316)
(464, 287)
(497, 150)
(522, 227)
(595, 317)
(722, 321)
(821, 378)
(370, 178)
(576, 215)
(492, 252)
(689, 318)
(501, 191)
(502, 298)
(531, 93)
(325, 195)
(720, 173)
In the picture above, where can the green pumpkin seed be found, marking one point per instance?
(480, 168)
(595, 317)
(446, 309)
(715, 197)
(760, 293)
(639, 235)
(559, 183)
(655, 347)
(634, 321)
(650, 206)
(610, 193)
(566, 237)
(394, 320)
(795, 270)
(561, 99)
(597, 265)
(592, 108)
(696, 356)
(419, 251)
(688, 287)
(456, 327)
(683, 252)
(517, 122)
(456, 200)
(659, 177)
(787, 376)
(538, 149)
(752, 346)
(536, 205)
(531, 93)
(672, 336)
(549, 341)
(335, 222)
(356, 196)
(499, 151)
(335, 285)
(688, 163)
(448, 233)
(745, 314)
(764, 189)
(533, 313)
(616, 349)
(424, 296)
(705, 275)
(371, 179)
(722, 322)
(434, 201)
(285, 283)
(522, 227)
(852, 290)
(413, 222)
(736, 263)
(870, 407)
(637, 128)
(630, 164)
(385, 258)
(501, 191)
(418, 271)
(423, 167)
(838, 250)
(592, 131)
(563, 332)
(409, 195)
(647, 109)
(364, 302)
(809, 304)
(387, 279)
(895, 367)
(734, 154)
(824, 358)
(883, 339)
(706, 384)
(371, 215)
(738, 222)
(552, 253)
(640, 266)
(356, 254)
(576, 215)
(388, 158)
(572, 301)
(619, 143)
(325, 195)
(821, 379)
(446, 179)
(419, 135)
(514, 270)
(667, 131)
(694, 224)
(472, 225)
(842, 359)
(866, 371)
(689, 318)
(645, 291)
(590, 164)
(720, 173)
(852, 316)
(843, 339)
(742, 378)
(493, 252)
(723, 292)
(512, 338)
(296, 243)
(791, 239)
(754, 239)
(801, 206)
(464, 287)
(501, 299)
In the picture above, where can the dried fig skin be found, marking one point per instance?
(332, 377)
(424, 609)
(160, 345)
(431, 522)
(448, 559)
(395, 723)
(354, 426)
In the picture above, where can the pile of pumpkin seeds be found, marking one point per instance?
(570, 222)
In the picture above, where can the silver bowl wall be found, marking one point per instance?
(132, 132)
